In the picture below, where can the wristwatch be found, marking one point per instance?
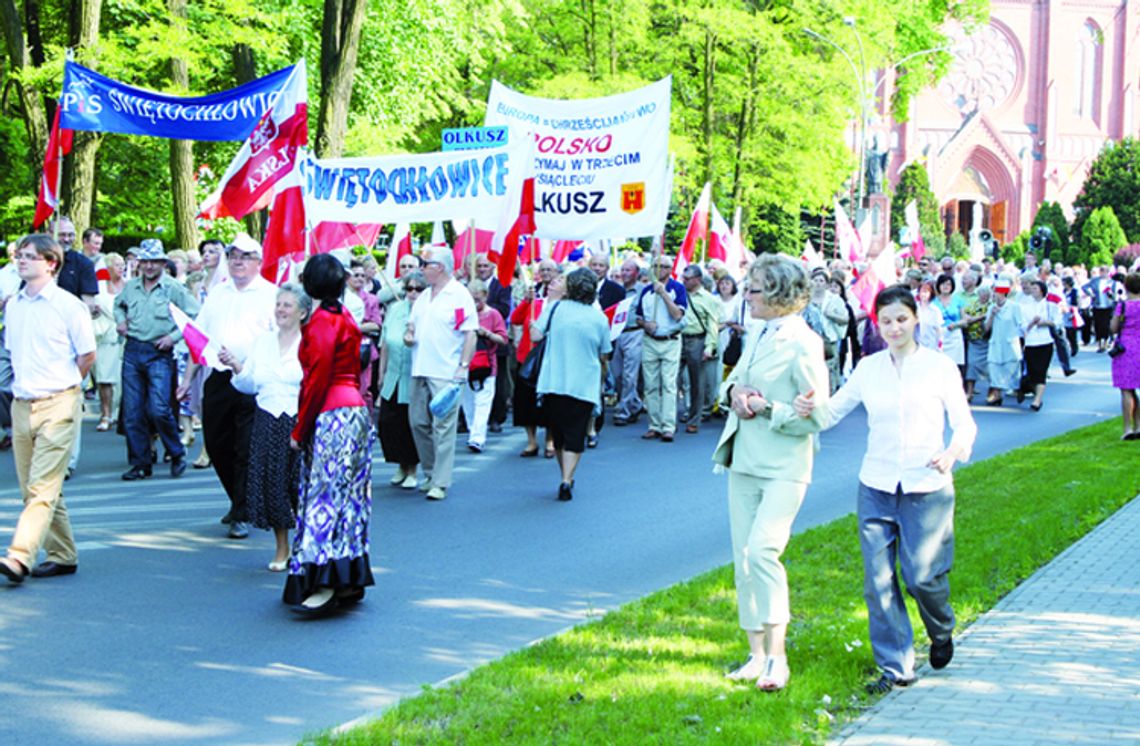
(465, 365)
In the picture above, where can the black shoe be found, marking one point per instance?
(350, 596)
(1020, 396)
(314, 612)
(136, 472)
(1070, 372)
(13, 570)
(239, 530)
(227, 519)
(941, 653)
(885, 683)
(564, 493)
(67, 476)
(51, 569)
(177, 467)
(620, 422)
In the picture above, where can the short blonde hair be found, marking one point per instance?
(782, 281)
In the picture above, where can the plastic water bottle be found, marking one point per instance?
(446, 400)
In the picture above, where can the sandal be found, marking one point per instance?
(749, 670)
(549, 453)
(776, 675)
(104, 424)
(529, 452)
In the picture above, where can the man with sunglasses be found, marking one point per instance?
(234, 314)
(661, 315)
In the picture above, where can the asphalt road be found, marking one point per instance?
(172, 633)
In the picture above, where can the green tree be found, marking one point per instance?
(1113, 181)
(914, 184)
(957, 247)
(1050, 214)
(1014, 251)
(774, 229)
(1101, 237)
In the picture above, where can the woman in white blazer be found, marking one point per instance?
(767, 450)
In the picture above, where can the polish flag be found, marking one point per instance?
(196, 339)
(473, 240)
(399, 247)
(267, 156)
(530, 250)
(724, 243)
(879, 274)
(850, 244)
(59, 145)
(329, 236)
(514, 223)
(618, 314)
(286, 232)
(917, 245)
(698, 228)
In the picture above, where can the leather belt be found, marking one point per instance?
(49, 397)
(674, 335)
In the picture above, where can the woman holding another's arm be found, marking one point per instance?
(767, 450)
(906, 492)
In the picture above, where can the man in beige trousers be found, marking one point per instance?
(52, 343)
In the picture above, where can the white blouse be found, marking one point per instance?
(906, 412)
(274, 378)
(1040, 335)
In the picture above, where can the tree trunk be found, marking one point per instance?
(245, 70)
(744, 126)
(590, 36)
(707, 119)
(340, 42)
(35, 117)
(182, 154)
(613, 12)
(79, 184)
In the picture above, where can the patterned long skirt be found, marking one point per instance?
(330, 547)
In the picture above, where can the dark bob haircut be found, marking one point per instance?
(324, 278)
(896, 294)
(582, 285)
(942, 280)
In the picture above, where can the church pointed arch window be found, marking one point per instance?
(1090, 57)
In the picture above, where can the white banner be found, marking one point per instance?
(601, 164)
(420, 188)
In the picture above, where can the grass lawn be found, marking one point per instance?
(653, 670)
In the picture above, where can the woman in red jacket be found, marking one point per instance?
(329, 563)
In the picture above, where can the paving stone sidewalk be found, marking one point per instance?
(1056, 661)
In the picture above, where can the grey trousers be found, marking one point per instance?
(696, 390)
(917, 531)
(626, 366)
(434, 436)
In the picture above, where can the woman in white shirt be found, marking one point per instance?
(272, 373)
(929, 332)
(906, 492)
(1040, 318)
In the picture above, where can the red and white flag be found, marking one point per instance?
(698, 229)
(563, 249)
(399, 247)
(850, 244)
(618, 314)
(810, 257)
(285, 234)
(516, 221)
(268, 155)
(59, 145)
(879, 274)
(196, 340)
(329, 236)
(474, 240)
(725, 243)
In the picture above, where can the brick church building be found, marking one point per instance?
(1030, 100)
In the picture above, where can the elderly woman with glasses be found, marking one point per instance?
(396, 439)
(570, 382)
(767, 450)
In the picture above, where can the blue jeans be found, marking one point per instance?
(148, 388)
(917, 530)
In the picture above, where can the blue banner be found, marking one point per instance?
(95, 103)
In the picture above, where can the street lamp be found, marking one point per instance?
(865, 96)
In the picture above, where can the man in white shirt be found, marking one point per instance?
(441, 333)
(234, 314)
(52, 343)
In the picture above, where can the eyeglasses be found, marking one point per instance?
(414, 289)
(664, 265)
(242, 257)
(30, 257)
(748, 291)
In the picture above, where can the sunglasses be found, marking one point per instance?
(414, 289)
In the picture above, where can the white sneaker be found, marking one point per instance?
(409, 482)
(425, 485)
(437, 493)
(776, 675)
(398, 477)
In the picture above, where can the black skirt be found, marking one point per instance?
(567, 421)
(396, 432)
(274, 475)
(1037, 359)
(526, 410)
